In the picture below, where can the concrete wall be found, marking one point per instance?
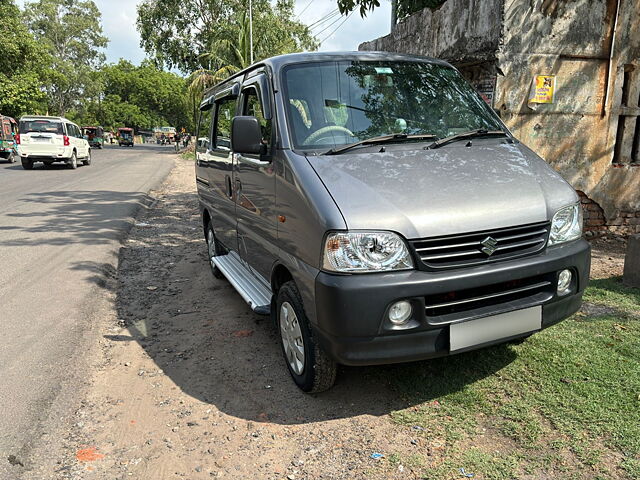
(577, 133)
(514, 40)
(459, 30)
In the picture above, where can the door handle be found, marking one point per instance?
(229, 188)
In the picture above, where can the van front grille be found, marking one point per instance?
(481, 247)
(489, 299)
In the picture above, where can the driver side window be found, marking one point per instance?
(252, 107)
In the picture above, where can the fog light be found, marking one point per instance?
(564, 281)
(400, 312)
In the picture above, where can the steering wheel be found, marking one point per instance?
(318, 134)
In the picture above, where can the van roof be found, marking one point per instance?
(279, 62)
(44, 117)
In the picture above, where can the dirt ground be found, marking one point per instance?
(189, 383)
(607, 256)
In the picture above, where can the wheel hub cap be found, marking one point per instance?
(292, 338)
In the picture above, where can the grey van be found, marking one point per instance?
(378, 209)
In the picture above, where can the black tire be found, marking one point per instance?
(213, 249)
(87, 161)
(319, 370)
(73, 161)
(12, 157)
(27, 164)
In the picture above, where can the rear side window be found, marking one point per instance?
(204, 129)
(74, 131)
(225, 111)
(41, 126)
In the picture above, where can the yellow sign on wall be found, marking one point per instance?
(544, 89)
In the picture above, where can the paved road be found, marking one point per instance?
(59, 235)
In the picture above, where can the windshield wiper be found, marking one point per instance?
(378, 140)
(464, 135)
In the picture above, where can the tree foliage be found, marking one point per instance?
(72, 33)
(190, 35)
(404, 7)
(23, 65)
(142, 97)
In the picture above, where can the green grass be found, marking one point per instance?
(188, 156)
(565, 403)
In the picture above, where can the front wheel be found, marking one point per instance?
(309, 365)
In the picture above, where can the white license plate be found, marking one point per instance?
(41, 139)
(488, 329)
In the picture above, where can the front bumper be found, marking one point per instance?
(351, 310)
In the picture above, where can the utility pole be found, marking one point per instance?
(394, 14)
(251, 29)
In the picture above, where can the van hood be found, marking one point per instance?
(446, 191)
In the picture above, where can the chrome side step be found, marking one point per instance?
(250, 288)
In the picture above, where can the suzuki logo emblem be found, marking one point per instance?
(489, 246)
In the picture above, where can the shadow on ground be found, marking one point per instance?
(200, 332)
(74, 217)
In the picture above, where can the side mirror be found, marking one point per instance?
(246, 136)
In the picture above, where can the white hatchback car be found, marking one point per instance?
(51, 139)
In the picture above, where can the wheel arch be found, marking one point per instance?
(206, 218)
(279, 276)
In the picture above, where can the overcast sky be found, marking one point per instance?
(119, 24)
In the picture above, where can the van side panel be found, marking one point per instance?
(305, 212)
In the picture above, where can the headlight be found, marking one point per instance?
(566, 224)
(365, 252)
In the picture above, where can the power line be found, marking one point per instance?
(337, 28)
(322, 20)
(304, 9)
(330, 25)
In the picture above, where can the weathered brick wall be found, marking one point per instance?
(595, 222)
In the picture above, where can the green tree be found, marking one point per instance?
(227, 55)
(275, 32)
(23, 65)
(405, 7)
(143, 97)
(190, 35)
(72, 33)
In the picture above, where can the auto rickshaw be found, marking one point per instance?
(125, 137)
(94, 135)
(8, 132)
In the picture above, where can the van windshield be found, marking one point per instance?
(41, 126)
(336, 103)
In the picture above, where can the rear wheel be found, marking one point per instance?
(12, 157)
(309, 365)
(27, 164)
(213, 250)
(87, 161)
(73, 161)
